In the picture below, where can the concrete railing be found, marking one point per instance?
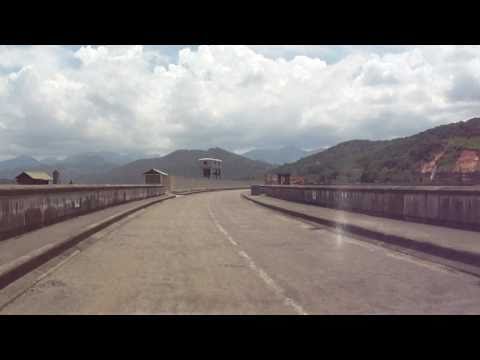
(24, 208)
(181, 184)
(447, 206)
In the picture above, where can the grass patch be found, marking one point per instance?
(471, 143)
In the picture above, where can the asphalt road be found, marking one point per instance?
(217, 253)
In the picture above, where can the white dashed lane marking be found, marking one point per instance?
(267, 279)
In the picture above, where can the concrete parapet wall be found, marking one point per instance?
(448, 206)
(24, 208)
(180, 183)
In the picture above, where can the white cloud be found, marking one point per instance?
(57, 100)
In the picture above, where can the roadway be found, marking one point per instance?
(217, 253)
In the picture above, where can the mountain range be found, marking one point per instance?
(12, 167)
(111, 168)
(71, 168)
(441, 155)
(183, 163)
(444, 154)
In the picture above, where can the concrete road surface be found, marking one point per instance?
(217, 253)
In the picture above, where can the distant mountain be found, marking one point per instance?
(90, 165)
(99, 158)
(85, 161)
(73, 168)
(76, 166)
(50, 160)
(280, 156)
(111, 157)
(12, 167)
(19, 162)
(183, 163)
(444, 154)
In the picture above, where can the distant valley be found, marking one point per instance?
(280, 156)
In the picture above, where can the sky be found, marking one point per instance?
(63, 100)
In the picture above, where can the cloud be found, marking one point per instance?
(465, 87)
(58, 100)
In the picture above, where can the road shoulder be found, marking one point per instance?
(456, 248)
(26, 252)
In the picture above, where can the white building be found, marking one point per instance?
(211, 167)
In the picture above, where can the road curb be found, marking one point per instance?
(17, 268)
(462, 260)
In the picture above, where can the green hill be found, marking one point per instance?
(404, 160)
